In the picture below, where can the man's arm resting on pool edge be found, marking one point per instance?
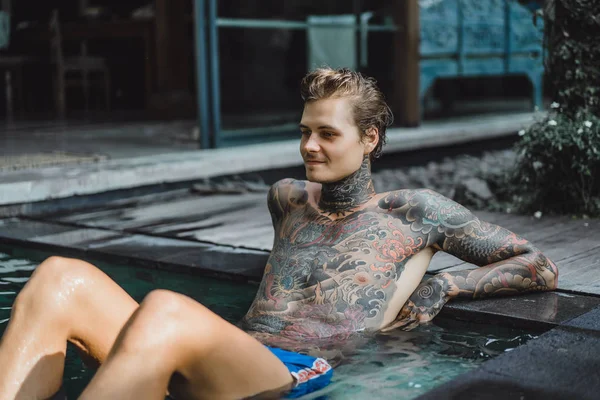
(508, 265)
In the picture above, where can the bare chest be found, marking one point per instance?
(337, 276)
(368, 250)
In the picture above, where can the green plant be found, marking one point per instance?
(572, 62)
(558, 165)
(559, 156)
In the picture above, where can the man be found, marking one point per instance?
(346, 261)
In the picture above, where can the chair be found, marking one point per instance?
(80, 70)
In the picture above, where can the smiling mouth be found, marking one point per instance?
(312, 162)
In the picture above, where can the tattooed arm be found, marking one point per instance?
(508, 264)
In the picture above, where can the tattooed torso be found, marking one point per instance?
(346, 260)
(331, 277)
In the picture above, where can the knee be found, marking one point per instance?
(165, 302)
(165, 319)
(53, 265)
(54, 281)
(57, 272)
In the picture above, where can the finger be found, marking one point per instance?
(399, 323)
(411, 326)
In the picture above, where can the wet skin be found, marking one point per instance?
(344, 257)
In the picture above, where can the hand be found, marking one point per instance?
(424, 304)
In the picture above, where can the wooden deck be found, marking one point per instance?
(243, 221)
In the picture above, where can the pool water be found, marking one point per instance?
(394, 365)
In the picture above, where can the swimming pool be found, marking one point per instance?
(395, 365)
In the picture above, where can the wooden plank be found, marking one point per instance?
(571, 267)
(244, 221)
(502, 219)
(251, 237)
(563, 251)
(192, 208)
(233, 222)
(582, 276)
(527, 226)
(188, 209)
(582, 258)
(91, 218)
(189, 228)
(522, 225)
(550, 233)
(580, 272)
(573, 273)
(250, 214)
(458, 267)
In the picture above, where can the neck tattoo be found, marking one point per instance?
(348, 193)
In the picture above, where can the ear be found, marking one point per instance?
(371, 139)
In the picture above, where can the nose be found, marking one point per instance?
(311, 144)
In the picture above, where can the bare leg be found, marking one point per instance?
(65, 300)
(171, 339)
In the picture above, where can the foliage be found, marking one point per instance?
(559, 156)
(558, 166)
(572, 63)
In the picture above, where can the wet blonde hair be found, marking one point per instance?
(369, 107)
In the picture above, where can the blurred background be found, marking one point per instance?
(228, 71)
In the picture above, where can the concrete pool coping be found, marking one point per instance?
(35, 185)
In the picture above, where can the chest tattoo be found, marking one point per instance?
(329, 278)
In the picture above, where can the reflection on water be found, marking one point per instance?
(13, 275)
(403, 365)
(393, 365)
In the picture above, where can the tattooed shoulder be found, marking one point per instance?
(285, 193)
(429, 212)
(453, 228)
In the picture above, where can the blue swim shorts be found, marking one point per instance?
(310, 373)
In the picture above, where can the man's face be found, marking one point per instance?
(331, 143)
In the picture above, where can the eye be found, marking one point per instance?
(327, 135)
(304, 132)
